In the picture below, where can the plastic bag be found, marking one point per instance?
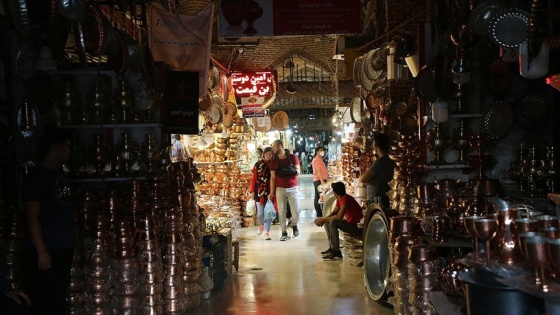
(250, 208)
(269, 212)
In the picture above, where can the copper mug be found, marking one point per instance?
(547, 221)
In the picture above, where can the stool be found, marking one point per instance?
(235, 260)
(353, 248)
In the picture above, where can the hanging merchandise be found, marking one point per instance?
(440, 111)
(533, 68)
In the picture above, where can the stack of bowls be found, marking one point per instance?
(173, 257)
(97, 273)
(400, 276)
(150, 267)
(75, 296)
(125, 269)
(423, 272)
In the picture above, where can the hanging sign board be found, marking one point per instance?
(181, 102)
(181, 41)
(251, 106)
(289, 17)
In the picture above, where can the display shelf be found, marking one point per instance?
(111, 126)
(105, 179)
(446, 166)
(216, 163)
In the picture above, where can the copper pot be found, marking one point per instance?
(150, 289)
(126, 302)
(149, 267)
(98, 299)
(174, 305)
(97, 285)
(173, 292)
(403, 225)
(421, 253)
(173, 238)
(192, 263)
(423, 284)
(153, 300)
(98, 272)
(126, 276)
(192, 276)
(75, 298)
(192, 249)
(98, 310)
(148, 277)
(173, 270)
(124, 253)
(172, 281)
(149, 246)
(147, 256)
(126, 288)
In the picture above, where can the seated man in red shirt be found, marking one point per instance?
(345, 217)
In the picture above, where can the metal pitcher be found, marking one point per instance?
(507, 249)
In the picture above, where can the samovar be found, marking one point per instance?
(460, 142)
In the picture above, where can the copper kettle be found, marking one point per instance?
(507, 247)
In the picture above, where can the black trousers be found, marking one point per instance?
(10, 307)
(318, 208)
(47, 288)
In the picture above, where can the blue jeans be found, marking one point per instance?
(262, 220)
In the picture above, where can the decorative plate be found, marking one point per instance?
(371, 72)
(510, 27)
(424, 85)
(367, 84)
(356, 108)
(215, 114)
(26, 120)
(483, 14)
(356, 71)
(498, 120)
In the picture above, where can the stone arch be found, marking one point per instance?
(301, 54)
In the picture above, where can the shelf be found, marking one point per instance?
(111, 126)
(106, 179)
(446, 166)
(216, 163)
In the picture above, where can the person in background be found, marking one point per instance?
(285, 189)
(260, 186)
(320, 177)
(377, 177)
(178, 150)
(50, 220)
(259, 153)
(12, 302)
(345, 216)
(303, 159)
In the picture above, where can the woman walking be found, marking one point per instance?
(260, 186)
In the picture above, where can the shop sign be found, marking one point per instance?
(289, 17)
(257, 83)
(251, 106)
(181, 102)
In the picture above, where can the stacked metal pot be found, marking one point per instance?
(423, 270)
(404, 233)
(150, 267)
(125, 269)
(97, 273)
(173, 257)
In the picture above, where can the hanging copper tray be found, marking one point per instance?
(497, 121)
(370, 71)
(215, 113)
(367, 83)
(510, 28)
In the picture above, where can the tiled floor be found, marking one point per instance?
(294, 279)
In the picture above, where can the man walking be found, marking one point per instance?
(284, 172)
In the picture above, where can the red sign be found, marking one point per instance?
(258, 83)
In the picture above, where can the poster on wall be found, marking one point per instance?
(252, 106)
(249, 18)
(181, 102)
(181, 41)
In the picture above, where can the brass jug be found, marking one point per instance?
(507, 249)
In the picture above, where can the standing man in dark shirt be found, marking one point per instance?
(378, 176)
(47, 201)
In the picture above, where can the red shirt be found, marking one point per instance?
(284, 182)
(353, 212)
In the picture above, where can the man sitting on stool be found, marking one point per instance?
(345, 216)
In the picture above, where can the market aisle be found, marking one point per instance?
(294, 279)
